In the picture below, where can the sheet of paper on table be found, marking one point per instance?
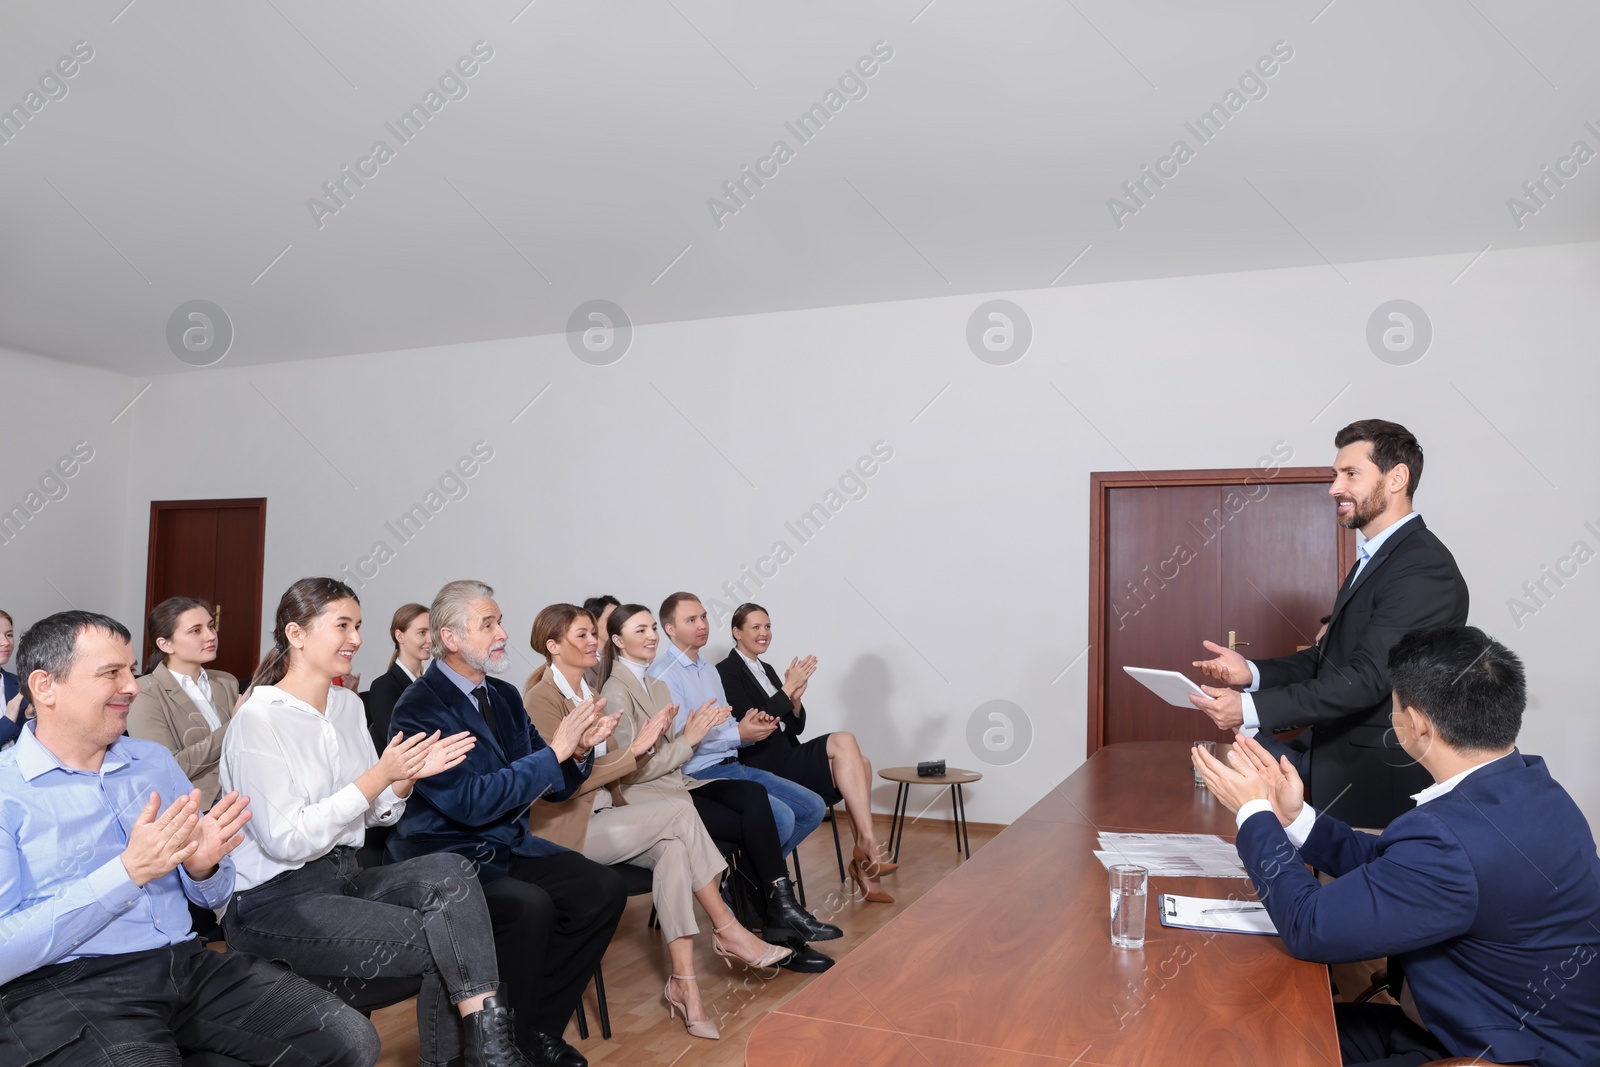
(1173, 855)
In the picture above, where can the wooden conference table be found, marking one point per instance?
(1008, 962)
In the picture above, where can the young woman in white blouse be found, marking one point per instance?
(299, 748)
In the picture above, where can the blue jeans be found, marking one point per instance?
(796, 809)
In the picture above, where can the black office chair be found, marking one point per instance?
(838, 853)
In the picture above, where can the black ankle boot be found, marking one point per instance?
(786, 918)
(486, 1035)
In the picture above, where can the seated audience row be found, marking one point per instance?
(508, 916)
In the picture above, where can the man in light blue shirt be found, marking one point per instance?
(102, 846)
(693, 681)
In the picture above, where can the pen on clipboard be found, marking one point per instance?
(1229, 911)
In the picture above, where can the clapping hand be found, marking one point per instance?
(156, 845)
(14, 707)
(651, 731)
(403, 757)
(800, 671)
(703, 720)
(217, 833)
(756, 725)
(445, 753)
(1251, 774)
(569, 735)
(604, 726)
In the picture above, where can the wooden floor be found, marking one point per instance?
(636, 963)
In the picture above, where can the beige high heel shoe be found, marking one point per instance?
(704, 1028)
(774, 955)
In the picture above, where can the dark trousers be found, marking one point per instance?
(422, 917)
(182, 1004)
(737, 811)
(553, 917)
(1381, 1034)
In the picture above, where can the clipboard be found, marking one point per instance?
(1211, 914)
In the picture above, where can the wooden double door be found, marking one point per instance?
(1178, 557)
(212, 550)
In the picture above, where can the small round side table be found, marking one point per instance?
(905, 778)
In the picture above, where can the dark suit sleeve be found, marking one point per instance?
(10, 729)
(379, 701)
(1418, 590)
(1422, 890)
(1337, 848)
(473, 794)
(1286, 670)
(743, 694)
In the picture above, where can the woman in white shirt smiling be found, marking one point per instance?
(299, 748)
(181, 705)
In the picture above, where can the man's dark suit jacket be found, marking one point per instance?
(1340, 687)
(480, 808)
(1489, 896)
(744, 692)
(379, 700)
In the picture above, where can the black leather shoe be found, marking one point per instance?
(806, 960)
(486, 1035)
(787, 919)
(550, 1051)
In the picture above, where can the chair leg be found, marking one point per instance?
(583, 1021)
(600, 999)
(838, 853)
(654, 923)
(799, 880)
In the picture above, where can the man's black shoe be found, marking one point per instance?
(806, 960)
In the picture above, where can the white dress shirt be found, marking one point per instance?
(299, 767)
(404, 669)
(1365, 550)
(200, 694)
(761, 679)
(1300, 829)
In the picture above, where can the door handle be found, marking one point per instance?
(216, 620)
(1234, 642)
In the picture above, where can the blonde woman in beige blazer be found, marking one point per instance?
(181, 705)
(661, 833)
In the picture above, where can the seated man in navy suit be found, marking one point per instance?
(1487, 893)
(553, 910)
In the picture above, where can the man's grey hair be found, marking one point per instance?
(449, 609)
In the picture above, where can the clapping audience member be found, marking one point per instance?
(832, 766)
(1486, 893)
(554, 911)
(300, 746)
(181, 705)
(692, 680)
(412, 647)
(102, 844)
(600, 609)
(10, 688)
(663, 834)
(732, 810)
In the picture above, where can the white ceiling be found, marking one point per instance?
(179, 163)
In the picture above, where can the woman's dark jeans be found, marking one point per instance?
(424, 917)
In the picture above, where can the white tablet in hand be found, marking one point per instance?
(1170, 686)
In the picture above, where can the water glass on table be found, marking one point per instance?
(1211, 749)
(1129, 891)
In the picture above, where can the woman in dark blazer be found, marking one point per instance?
(833, 765)
(411, 636)
(10, 688)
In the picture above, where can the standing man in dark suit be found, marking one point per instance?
(553, 910)
(1487, 892)
(1404, 579)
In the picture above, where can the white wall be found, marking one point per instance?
(960, 577)
(63, 487)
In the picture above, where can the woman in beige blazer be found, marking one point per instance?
(662, 833)
(181, 705)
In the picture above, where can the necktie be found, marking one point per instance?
(481, 695)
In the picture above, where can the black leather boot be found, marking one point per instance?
(486, 1037)
(786, 918)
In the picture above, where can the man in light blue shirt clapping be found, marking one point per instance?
(102, 846)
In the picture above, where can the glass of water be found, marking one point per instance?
(1211, 748)
(1129, 891)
